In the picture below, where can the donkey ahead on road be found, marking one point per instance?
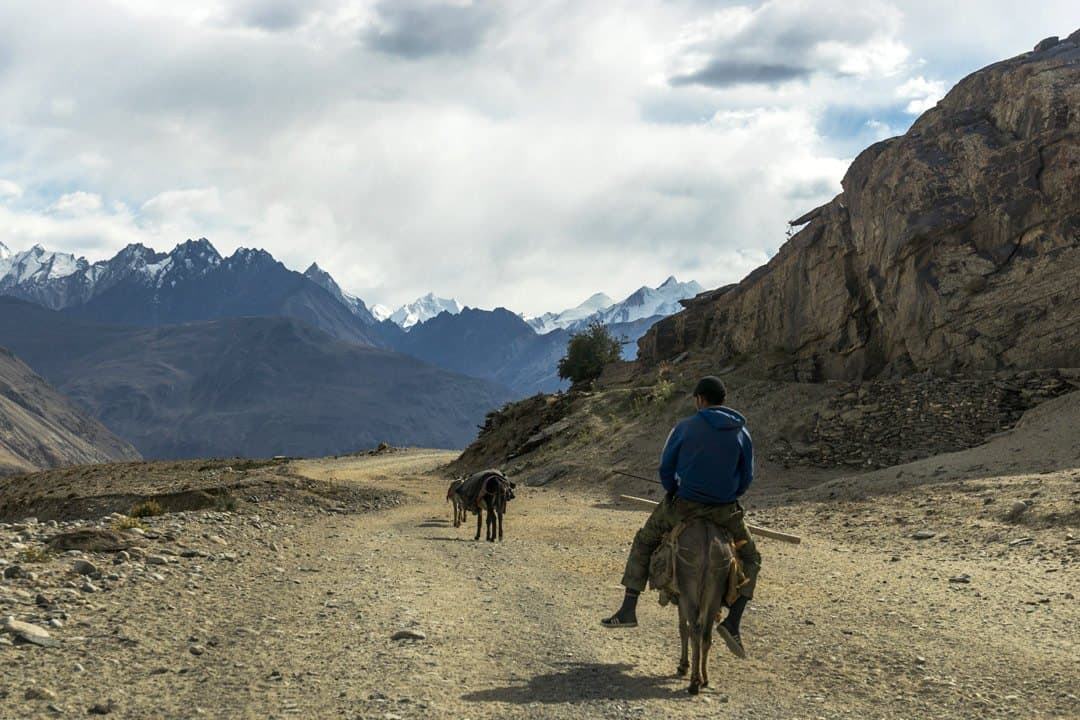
(495, 492)
(453, 496)
(488, 490)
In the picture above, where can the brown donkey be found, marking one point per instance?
(453, 496)
(495, 492)
(702, 567)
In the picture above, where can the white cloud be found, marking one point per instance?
(519, 153)
(96, 234)
(9, 189)
(922, 94)
(76, 203)
(173, 210)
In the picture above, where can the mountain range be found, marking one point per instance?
(193, 282)
(254, 386)
(423, 309)
(643, 304)
(191, 353)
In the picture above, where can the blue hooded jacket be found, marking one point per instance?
(708, 457)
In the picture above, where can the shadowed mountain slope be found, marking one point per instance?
(40, 428)
(246, 386)
(496, 345)
(499, 346)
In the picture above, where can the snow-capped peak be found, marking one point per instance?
(648, 302)
(645, 302)
(37, 265)
(549, 322)
(197, 251)
(381, 312)
(423, 309)
(356, 306)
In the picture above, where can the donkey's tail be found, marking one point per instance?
(715, 577)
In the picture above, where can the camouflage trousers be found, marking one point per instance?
(666, 516)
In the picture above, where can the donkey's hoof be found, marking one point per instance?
(682, 670)
(694, 689)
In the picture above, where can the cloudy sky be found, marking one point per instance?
(520, 153)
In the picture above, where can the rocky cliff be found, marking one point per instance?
(953, 247)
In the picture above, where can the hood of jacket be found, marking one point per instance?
(722, 418)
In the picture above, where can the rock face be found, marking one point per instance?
(953, 247)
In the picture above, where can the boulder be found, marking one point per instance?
(28, 631)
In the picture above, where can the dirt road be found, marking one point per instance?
(860, 621)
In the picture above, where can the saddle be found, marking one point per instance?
(663, 564)
(472, 487)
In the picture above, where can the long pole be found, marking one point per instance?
(755, 529)
(636, 477)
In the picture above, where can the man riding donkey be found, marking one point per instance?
(707, 464)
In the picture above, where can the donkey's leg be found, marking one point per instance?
(696, 632)
(500, 518)
(490, 536)
(684, 638)
(706, 645)
(479, 521)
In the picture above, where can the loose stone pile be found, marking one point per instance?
(888, 422)
(51, 568)
(59, 577)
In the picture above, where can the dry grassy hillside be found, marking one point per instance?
(803, 433)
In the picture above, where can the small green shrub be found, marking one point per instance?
(642, 399)
(225, 503)
(127, 523)
(150, 508)
(35, 555)
(663, 391)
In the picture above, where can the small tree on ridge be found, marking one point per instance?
(588, 352)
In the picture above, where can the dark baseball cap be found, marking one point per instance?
(712, 389)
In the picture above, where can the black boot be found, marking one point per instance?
(728, 629)
(627, 615)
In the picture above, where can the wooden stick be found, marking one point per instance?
(756, 529)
